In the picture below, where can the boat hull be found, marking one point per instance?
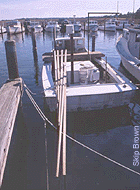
(15, 30)
(113, 29)
(51, 29)
(93, 28)
(93, 102)
(128, 60)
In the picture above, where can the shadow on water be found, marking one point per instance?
(89, 122)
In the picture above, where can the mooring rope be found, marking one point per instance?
(71, 138)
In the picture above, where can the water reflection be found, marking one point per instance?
(19, 38)
(36, 67)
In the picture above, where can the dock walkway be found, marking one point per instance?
(10, 94)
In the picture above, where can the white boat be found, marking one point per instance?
(77, 27)
(51, 25)
(37, 27)
(120, 24)
(96, 84)
(128, 47)
(14, 27)
(108, 26)
(93, 25)
(2, 30)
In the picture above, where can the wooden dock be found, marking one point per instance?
(10, 95)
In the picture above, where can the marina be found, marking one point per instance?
(109, 132)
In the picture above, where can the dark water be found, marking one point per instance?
(109, 132)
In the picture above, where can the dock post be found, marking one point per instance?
(33, 39)
(11, 57)
(54, 36)
(104, 26)
(21, 28)
(84, 29)
(139, 52)
(93, 43)
(1, 29)
(88, 33)
(72, 71)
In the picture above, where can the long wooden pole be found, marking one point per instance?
(64, 117)
(60, 114)
(64, 124)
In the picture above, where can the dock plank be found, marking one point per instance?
(10, 95)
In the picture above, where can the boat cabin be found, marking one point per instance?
(65, 43)
(91, 22)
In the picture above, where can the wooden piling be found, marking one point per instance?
(104, 26)
(72, 69)
(11, 56)
(84, 29)
(21, 27)
(93, 43)
(106, 70)
(1, 30)
(33, 39)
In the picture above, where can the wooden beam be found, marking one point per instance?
(10, 95)
(48, 57)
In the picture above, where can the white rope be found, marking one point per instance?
(92, 150)
(39, 110)
(29, 89)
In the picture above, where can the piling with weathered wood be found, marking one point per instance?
(93, 43)
(33, 39)
(72, 70)
(11, 57)
(84, 29)
(1, 30)
(10, 96)
(104, 26)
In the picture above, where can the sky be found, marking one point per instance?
(14, 9)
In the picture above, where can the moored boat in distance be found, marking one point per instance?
(96, 85)
(37, 27)
(2, 30)
(120, 24)
(128, 47)
(14, 27)
(77, 27)
(51, 25)
(93, 25)
(108, 26)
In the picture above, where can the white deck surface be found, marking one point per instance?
(82, 89)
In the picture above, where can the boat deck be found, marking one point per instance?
(84, 88)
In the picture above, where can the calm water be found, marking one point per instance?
(109, 132)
